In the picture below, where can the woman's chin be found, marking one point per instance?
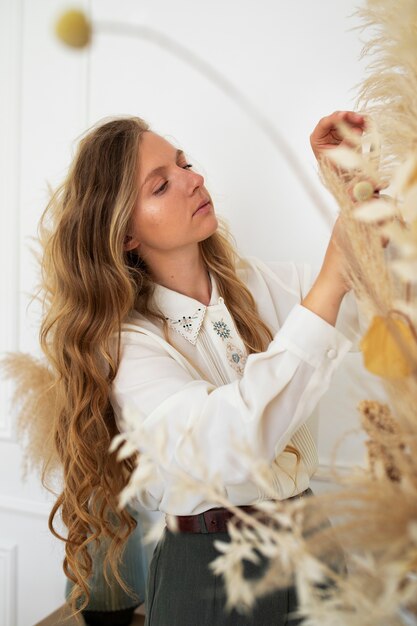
(209, 228)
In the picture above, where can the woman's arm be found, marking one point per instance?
(329, 288)
(277, 393)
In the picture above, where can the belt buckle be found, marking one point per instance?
(215, 520)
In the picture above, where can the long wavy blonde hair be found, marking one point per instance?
(89, 285)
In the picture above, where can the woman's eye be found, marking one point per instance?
(161, 188)
(164, 186)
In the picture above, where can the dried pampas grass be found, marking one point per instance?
(33, 400)
(389, 92)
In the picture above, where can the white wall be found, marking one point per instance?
(295, 62)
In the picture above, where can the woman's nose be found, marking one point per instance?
(195, 180)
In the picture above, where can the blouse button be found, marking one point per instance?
(220, 300)
(332, 353)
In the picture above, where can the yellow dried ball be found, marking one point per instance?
(74, 29)
(363, 190)
(381, 353)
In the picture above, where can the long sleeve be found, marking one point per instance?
(276, 394)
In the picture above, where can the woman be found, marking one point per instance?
(133, 249)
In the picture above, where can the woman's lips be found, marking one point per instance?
(203, 209)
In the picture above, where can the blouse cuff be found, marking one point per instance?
(310, 337)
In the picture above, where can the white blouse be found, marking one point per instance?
(205, 382)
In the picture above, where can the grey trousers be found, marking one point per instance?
(183, 591)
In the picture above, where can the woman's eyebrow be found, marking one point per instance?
(161, 169)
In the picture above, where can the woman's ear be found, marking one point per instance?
(130, 242)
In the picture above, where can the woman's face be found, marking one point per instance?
(166, 216)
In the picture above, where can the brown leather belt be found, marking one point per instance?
(215, 520)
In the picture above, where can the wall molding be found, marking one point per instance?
(7, 427)
(10, 164)
(8, 584)
(7, 424)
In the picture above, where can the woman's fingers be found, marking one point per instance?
(355, 119)
(327, 133)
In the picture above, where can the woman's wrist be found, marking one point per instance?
(325, 297)
(333, 281)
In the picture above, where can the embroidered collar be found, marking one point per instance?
(184, 314)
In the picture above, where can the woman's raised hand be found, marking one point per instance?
(326, 135)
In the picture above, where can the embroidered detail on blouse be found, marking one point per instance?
(235, 356)
(222, 329)
(186, 324)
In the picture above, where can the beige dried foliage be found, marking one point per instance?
(386, 445)
(366, 265)
(33, 403)
(389, 92)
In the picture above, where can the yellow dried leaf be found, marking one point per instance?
(381, 352)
